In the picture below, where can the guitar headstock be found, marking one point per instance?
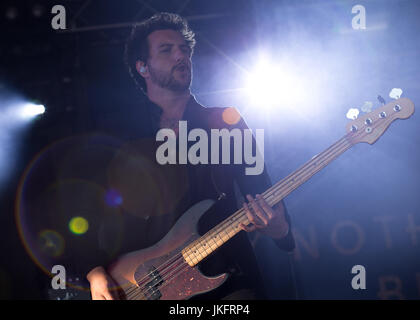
(372, 125)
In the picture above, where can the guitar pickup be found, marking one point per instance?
(152, 286)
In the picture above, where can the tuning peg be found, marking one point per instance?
(395, 93)
(381, 100)
(367, 106)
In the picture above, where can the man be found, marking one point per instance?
(158, 54)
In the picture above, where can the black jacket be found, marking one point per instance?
(110, 176)
(169, 190)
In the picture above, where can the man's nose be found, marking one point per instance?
(180, 54)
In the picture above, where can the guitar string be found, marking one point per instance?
(145, 290)
(275, 189)
(167, 264)
(326, 161)
(140, 287)
(278, 197)
(272, 191)
(145, 278)
(178, 270)
(173, 274)
(161, 267)
(289, 184)
(184, 266)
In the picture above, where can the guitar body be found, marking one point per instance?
(137, 274)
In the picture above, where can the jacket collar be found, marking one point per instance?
(193, 114)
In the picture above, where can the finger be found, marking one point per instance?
(251, 217)
(246, 228)
(258, 211)
(97, 296)
(264, 205)
(108, 295)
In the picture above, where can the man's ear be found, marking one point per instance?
(141, 68)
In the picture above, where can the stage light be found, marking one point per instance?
(11, 13)
(31, 110)
(17, 115)
(37, 10)
(273, 84)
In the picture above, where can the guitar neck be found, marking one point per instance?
(224, 231)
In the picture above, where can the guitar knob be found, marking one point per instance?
(368, 121)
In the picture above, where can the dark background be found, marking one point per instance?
(363, 209)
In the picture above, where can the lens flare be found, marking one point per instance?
(113, 198)
(231, 116)
(78, 225)
(51, 243)
(52, 207)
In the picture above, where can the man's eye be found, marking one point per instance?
(166, 50)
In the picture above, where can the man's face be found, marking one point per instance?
(169, 62)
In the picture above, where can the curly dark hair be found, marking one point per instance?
(137, 46)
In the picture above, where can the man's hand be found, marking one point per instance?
(100, 284)
(270, 221)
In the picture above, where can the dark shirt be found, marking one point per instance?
(154, 196)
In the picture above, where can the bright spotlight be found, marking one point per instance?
(272, 84)
(31, 110)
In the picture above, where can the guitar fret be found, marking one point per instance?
(204, 247)
(193, 259)
(224, 230)
(209, 240)
(230, 231)
(218, 239)
(195, 256)
(200, 250)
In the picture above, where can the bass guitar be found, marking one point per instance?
(168, 270)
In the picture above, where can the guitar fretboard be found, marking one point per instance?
(224, 231)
